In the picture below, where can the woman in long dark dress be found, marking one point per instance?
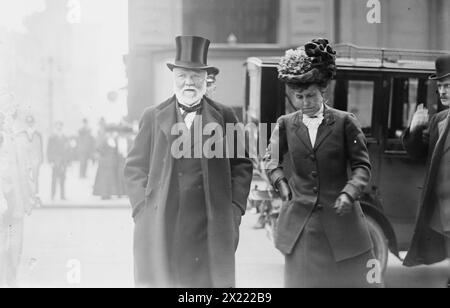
(106, 181)
(321, 229)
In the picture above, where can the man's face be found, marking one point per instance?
(210, 86)
(189, 85)
(308, 100)
(444, 90)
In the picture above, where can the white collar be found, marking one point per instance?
(193, 105)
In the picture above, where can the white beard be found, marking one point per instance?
(189, 101)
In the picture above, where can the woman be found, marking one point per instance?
(321, 228)
(106, 181)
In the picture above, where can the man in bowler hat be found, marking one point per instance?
(431, 139)
(187, 210)
(211, 83)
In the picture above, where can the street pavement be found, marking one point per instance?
(82, 247)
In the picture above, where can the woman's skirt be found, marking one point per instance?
(312, 264)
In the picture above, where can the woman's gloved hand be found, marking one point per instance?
(344, 205)
(283, 189)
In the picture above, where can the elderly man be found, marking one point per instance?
(431, 241)
(187, 211)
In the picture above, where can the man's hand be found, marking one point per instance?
(343, 205)
(420, 118)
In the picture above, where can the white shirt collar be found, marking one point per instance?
(182, 111)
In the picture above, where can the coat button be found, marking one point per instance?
(314, 174)
(319, 206)
(312, 157)
(315, 190)
(180, 174)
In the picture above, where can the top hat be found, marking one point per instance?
(442, 67)
(192, 53)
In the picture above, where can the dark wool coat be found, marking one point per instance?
(319, 176)
(427, 246)
(148, 172)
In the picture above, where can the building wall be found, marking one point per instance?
(302, 20)
(406, 24)
(62, 71)
(410, 24)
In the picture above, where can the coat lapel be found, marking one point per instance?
(325, 128)
(302, 131)
(439, 148)
(445, 134)
(166, 117)
(210, 115)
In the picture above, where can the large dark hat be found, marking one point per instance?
(442, 67)
(312, 63)
(192, 53)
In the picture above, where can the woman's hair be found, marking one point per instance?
(323, 85)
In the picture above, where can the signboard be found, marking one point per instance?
(308, 17)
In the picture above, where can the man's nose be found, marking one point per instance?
(189, 80)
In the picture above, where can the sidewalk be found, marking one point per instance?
(78, 191)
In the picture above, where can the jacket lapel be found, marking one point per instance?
(325, 128)
(166, 117)
(439, 148)
(211, 116)
(301, 130)
(445, 135)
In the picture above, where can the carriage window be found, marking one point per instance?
(360, 101)
(406, 94)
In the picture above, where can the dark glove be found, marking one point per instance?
(283, 189)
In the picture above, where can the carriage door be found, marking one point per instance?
(401, 178)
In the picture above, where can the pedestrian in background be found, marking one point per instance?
(30, 144)
(106, 180)
(86, 147)
(58, 152)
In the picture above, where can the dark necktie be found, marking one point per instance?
(187, 110)
(191, 109)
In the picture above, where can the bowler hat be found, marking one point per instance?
(442, 67)
(192, 53)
